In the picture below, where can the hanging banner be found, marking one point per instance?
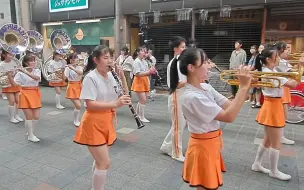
(67, 5)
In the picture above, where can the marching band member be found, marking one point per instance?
(96, 128)
(56, 65)
(271, 115)
(284, 66)
(74, 75)
(172, 144)
(2, 94)
(126, 61)
(141, 84)
(12, 92)
(204, 108)
(30, 99)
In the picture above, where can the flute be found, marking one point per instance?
(122, 92)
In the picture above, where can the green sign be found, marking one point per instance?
(67, 5)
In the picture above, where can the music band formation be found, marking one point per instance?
(104, 84)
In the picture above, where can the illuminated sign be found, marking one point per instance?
(67, 5)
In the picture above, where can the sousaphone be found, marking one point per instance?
(61, 43)
(14, 40)
(35, 46)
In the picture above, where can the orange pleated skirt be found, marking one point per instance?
(73, 90)
(286, 99)
(141, 84)
(12, 89)
(272, 113)
(96, 128)
(58, 84)
(30, 98)
(204, 164)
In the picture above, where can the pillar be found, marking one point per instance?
(117, 27)
(263, 32)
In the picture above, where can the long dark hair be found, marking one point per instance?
(261, 58)
(55, 53)
(187, 57)
(71, 57)
(137, 50)
(97, 52)
(281, 47)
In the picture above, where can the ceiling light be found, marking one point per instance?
(52, 23)
(87, 21)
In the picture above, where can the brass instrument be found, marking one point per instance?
(267, 77)
(14, 40)
(35, 46)
(61, 43)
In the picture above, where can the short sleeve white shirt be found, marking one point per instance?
(273, 92)
(56, 65)
(98, 88)
(283, 66)
(72, 75)
(200, 107)
(140, 66)
(7, 66)
(24, 80)
(182, 78)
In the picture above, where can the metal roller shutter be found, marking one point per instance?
(161, 34)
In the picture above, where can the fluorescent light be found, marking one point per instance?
(52, 23)
(87, 21)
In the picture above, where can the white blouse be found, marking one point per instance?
(4, 66)
(182, 78)
(283, 66)
(200, 107)
(126, 62)
(24, 80)
(72, 75)
(56, 65)
(97, 88)
(140, 66)
(273, 92)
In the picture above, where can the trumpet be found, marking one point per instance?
(267, 77)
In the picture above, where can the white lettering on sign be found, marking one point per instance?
(60, 3)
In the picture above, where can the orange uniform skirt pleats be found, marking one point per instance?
(204, 164)
(286, 99)
(58, 84)
(30, 98)
(73, 90)
(141, 84)
(12, 89)
(272, 113)
(96, 128)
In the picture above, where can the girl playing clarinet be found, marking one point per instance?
(204, 108)
(96, 128)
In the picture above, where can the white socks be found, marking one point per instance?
(274, 159)
(99, 179)
(30, 125)
(11, 114)
(76, 117)
(141, 112)
(58, 105)
(284, 140)
(256, 166)
(17, 113)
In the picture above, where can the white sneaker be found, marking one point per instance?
(252, 103)
(60, 107)
(76, 123)
(165, 150)
(145, 120)
(259, 168)
(4, 97)
(180, 158)
(280, 175)
(33, 138)
(17, 117)
(284, 140)
(13, 120)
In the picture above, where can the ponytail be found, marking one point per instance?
(90, 65)
(258, 63)
(174, 79)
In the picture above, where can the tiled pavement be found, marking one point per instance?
(137, 163)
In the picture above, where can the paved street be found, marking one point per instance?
(137, 163)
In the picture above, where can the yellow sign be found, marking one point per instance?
(79, 36)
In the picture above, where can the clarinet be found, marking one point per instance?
(138, 121)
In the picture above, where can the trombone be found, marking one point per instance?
(267, 77)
